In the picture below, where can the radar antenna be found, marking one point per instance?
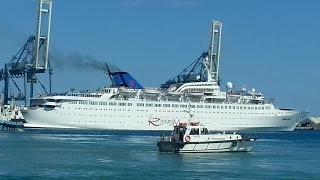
(188, 110)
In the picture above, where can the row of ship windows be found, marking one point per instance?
(119, 122)
(84, 95)
(203, 84)
(119, 116)
(199, 90)
(172, 105)
(167, 111)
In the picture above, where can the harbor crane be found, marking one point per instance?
(30, 60)
(209, 59)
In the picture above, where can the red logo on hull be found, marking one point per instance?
(159, 122)
(155, 122)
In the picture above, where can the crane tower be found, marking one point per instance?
(214, 50)
(206, 67)
(31, 59)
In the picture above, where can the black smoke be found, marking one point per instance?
(79, 62)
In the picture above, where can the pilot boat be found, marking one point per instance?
(193, 137)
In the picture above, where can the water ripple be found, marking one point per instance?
(61, 154)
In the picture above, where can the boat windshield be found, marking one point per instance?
(194, 131)
(204, 131)
(199, 131)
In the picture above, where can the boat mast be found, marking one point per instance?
(213, 59)
(188, 110)
(110, 76)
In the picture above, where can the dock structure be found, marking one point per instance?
(29, 62)
(7, 125)
(310, 123)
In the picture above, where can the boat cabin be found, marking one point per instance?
(183, 130)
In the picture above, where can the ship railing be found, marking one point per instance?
(51, 94)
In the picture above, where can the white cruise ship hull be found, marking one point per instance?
(134, 118)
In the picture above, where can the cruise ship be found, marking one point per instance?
(127, 105)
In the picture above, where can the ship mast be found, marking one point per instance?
(211, 63)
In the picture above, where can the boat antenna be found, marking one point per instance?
(188, 110)
(109, 73)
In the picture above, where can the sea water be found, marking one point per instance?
(92, 154)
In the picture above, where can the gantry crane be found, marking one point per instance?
(206, 67)
(31, 59)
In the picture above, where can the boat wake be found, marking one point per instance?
(274, 140)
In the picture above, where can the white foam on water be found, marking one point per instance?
(104, 160)
(71, 137)
(274, 140)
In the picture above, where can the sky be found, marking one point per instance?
(269, 45)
